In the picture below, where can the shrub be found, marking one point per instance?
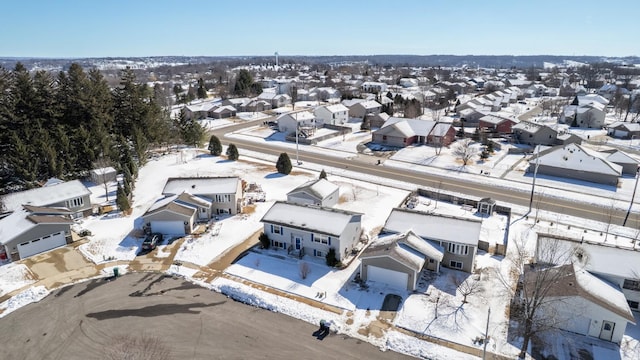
(331, 257)
(264, 241)
(215, 147)
(232, 152)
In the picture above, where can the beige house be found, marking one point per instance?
(225, 193)
(397, 260)
(318, 192)
(177, 214)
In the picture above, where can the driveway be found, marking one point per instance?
(166, 316)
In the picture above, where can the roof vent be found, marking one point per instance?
(193, 186)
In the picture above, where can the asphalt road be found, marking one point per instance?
(500, 190)
(155, 314)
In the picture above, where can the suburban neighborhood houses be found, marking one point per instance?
(364, 233)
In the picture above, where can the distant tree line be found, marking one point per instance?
(60, 125)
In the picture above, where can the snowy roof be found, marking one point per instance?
(48, 195)
(600, 255)
(370, 104)
(410, 127)
(327, 221)
(628, 126)
(224, 108)
(493, 119)
(619, 157)
(571, 280)
(592, 98)
(576, 156)
(22, 220)
(434, 226)
(319, 188)
(336, 108)
(404, 249)
(103, 171)
(201, 185)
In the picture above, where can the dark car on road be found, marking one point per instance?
(151, 241)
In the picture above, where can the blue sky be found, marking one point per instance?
(91, 28)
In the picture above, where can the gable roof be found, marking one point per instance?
(322, 220)
(570, 280)
(172, 204)
(47, 195)
(201, 185)
(434, 226)
(576, 156)
(26, 218)
(319, 188)
(619, 157)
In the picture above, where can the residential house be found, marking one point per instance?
(319, 192)
(589, 115)
(257, 106)
(496, 124)
(583, 303)
(336, 114)
(442, 134)
(361, 109)
(576, 162)
(373, 87)
(30, 230)
(397, 260)
(72, 195)
(377, 120)
(223, 112)
(276, 100)
(200, 110)
(312, 230)
(526, 132)
(289, 122)
(457, 236)
(177, 214)
(629, 164)
(624, 130)
(225, 193)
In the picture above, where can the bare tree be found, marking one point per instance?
(468, 286)
(102, 169)
(532, 279)
(463, 150)
(305, 269)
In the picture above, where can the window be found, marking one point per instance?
(458, 249)
(631, 284)
(633, 304)
(278, 244)
(319, 254)
(75, 202)
(276, 229)
(321, 239)
(455, 264)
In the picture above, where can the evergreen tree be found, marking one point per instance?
(202, 91)
(126, 187)
(490, 147)
(232, 152)
(323, 175)
(215, 147)
(121, 199)
(366, 124)
(283, 165)
(244, 83)
(331, 258)
(190, 130)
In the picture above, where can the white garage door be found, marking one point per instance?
(33, 247)
(168, 227)
(392, 278)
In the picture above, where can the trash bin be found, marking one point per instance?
(116, 272)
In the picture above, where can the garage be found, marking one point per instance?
(42, 244)
(168, 227)
(621, 134)
(392, 278)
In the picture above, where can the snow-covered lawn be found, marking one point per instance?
(14, 276)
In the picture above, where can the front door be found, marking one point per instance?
(607, 330)
(298, 242)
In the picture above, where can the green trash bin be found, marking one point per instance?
(116, 272)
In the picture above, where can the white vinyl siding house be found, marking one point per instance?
(318, 192)
(310, 230)
(223, 193)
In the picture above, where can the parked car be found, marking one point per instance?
(151, 241)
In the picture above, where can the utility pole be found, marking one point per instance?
(535, 173)
(486, 336)
(297, 135)
(624, 223)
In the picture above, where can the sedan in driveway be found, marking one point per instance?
(151, 241)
